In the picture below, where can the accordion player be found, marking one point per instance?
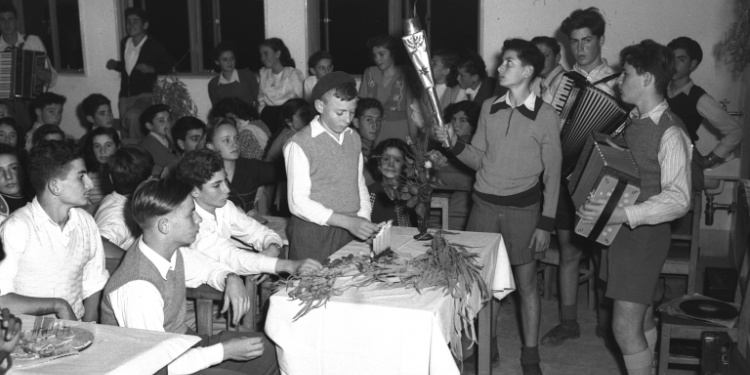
(604, 170)
(18, 73)
(583, 110)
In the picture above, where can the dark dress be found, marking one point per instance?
(249, 175)
(384, 208)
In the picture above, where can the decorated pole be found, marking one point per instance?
(416, 44)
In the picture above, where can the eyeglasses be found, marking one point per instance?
(376, 120)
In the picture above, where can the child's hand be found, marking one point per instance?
(112, 64)
(145, 68)
(445, 134)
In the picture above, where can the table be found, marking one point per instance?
(115, 350)
(393, 331)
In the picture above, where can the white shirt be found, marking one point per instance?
(213, 240)
(46, 261)
(464, 94)
(597, 74)
(132, 52)
(110, 218)
(309, 85)
(674, 157)
(276, 89)
(32, 43)
(299, 183)
(234, 78)
(138, 304)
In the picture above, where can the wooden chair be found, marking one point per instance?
(205, 296)
(685, 250)
(586, 274)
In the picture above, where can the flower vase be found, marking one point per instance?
(422, 210)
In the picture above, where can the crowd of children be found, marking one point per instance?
(166, 196)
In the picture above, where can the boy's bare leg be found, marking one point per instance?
(628, 323)
(570, 258)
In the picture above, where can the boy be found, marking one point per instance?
(97, 111)
(585, 30)
(367, 120)
(328, 197)
(156, 121)
(148, 289)
(142, 60)
(661, 149)
(54, 257)
(188, 134)
(319, 64)
(517, 141)
(12, 190)
(48, 108)
(5, 109)
(475, 85)
(129, 166)
(545, 86)
(11, 38)
(692, 104)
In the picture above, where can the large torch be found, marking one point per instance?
(416, 44)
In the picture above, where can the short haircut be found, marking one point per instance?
(45, 130)
(129, 166)
(381, 148)
(293, 106)
(473, 64)
(450, 60)
(155, 198)
(20, 134)
(551, 43)
(93, 102)
(650, 57)
(366, 103)
(589, 18)
(392, 44)
(8, 7)
(345, 91)
(45, 99)
(183, 126)
(140, 13)
(219, 121)
(150, 113)
(197, 167)
(235, 107)
(49, 160)
(89, 155)
(277, 45)
(224, 47)
(468, 107)
(317, 56)
(527, 52)
(691, 47)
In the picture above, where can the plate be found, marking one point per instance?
(53, 343)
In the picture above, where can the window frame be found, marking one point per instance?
(55, 35)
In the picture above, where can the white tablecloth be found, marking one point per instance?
(115, 351)
(394, 331)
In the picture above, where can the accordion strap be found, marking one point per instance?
(609, 208)
(606, 79)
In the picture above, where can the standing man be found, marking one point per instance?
(328, 198)
(661, 149)
(11, 38)
(585, 30)
(142, 60)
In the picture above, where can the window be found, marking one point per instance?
(57, 23)
(190, 29)
(345, 26)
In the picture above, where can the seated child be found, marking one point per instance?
(47, 132)
(98, 147)
(156, 121)
(231, 82)
(5, 110)
(54, 256)
(188, 134)
(47, 108)
(295, 114)
(254, 135)
(10, 133)
(129, 166)
(319, 64)
(389, 159)
(12, 182)
(97, 110)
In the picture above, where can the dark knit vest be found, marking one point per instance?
(643, 138)
(135, 266)
(334, 169)
(686, 108)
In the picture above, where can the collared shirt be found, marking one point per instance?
(298, 180)
(110, 218)
(132, 52)
(714, 113)
(213, 240)
(138, 304)
(32, 43)
(597, 74)
(48, 261)
(468, 93)
(234, 78)
(674, 157)
(276, 89)
(546, 87)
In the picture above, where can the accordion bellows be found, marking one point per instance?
(604, 170)
(18, 73)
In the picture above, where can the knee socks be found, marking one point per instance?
(638, 363)
(651, 339)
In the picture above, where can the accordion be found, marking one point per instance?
(584, 110)
(604, 170)
(18, 73)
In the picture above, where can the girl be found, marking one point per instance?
(389, 159)
(231, 82)
(99, 146)
(279, 81)
(295, 115)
